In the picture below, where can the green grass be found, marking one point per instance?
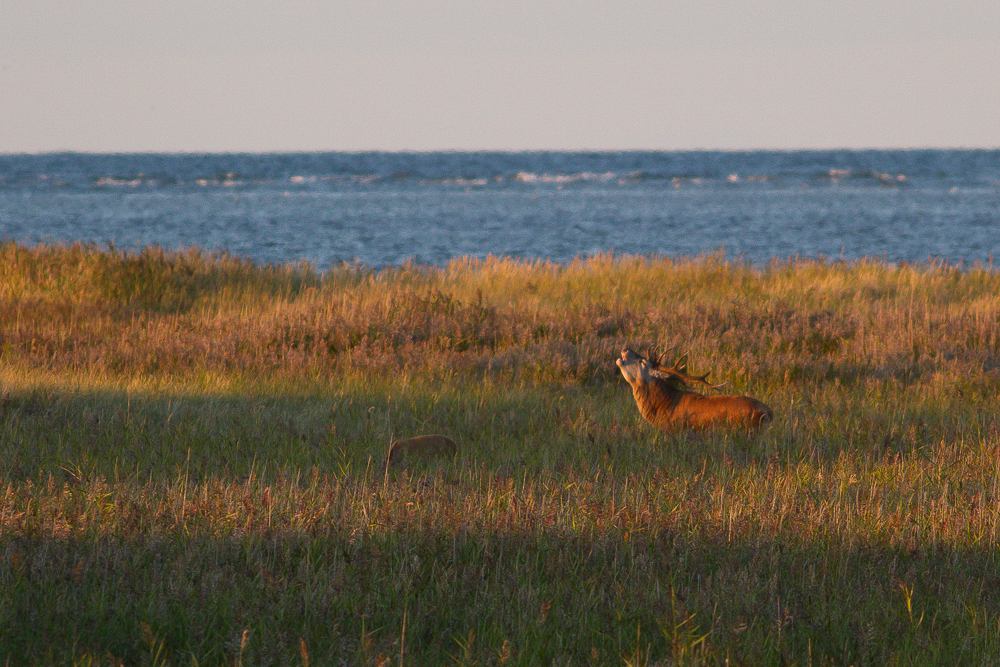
(193, 448)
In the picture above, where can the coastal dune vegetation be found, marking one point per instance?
(192, 462)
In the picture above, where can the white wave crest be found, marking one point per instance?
(109, 181)
(529, 177)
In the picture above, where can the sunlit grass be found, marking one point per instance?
(193, 463)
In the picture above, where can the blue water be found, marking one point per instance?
(385, 208)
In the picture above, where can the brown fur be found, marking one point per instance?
(667, 405)
(420, 448)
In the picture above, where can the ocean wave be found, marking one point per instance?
(586, 176)
(139, 180)
(862, 175)
(226, 180)
(831, 176)
(305, 172)
(461, 182)
(558, 179)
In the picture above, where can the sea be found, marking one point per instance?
(384, 209)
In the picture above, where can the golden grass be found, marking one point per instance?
(195, 447)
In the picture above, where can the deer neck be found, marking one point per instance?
(656, 400)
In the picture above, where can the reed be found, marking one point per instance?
(193, 467)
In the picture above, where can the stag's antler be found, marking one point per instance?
(654, 357)
(680, 371)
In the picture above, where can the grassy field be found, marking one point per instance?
(192, 463)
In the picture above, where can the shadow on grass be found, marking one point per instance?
(119, 435)
(549, 596)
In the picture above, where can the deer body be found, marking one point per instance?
(420, 448)
(665, 402)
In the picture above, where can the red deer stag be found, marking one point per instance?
(665, 400)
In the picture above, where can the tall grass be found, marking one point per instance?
(194, 445)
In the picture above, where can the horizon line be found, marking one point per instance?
(511, 151)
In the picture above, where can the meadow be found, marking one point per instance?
(192, 463)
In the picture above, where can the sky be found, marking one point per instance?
(268, 75)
